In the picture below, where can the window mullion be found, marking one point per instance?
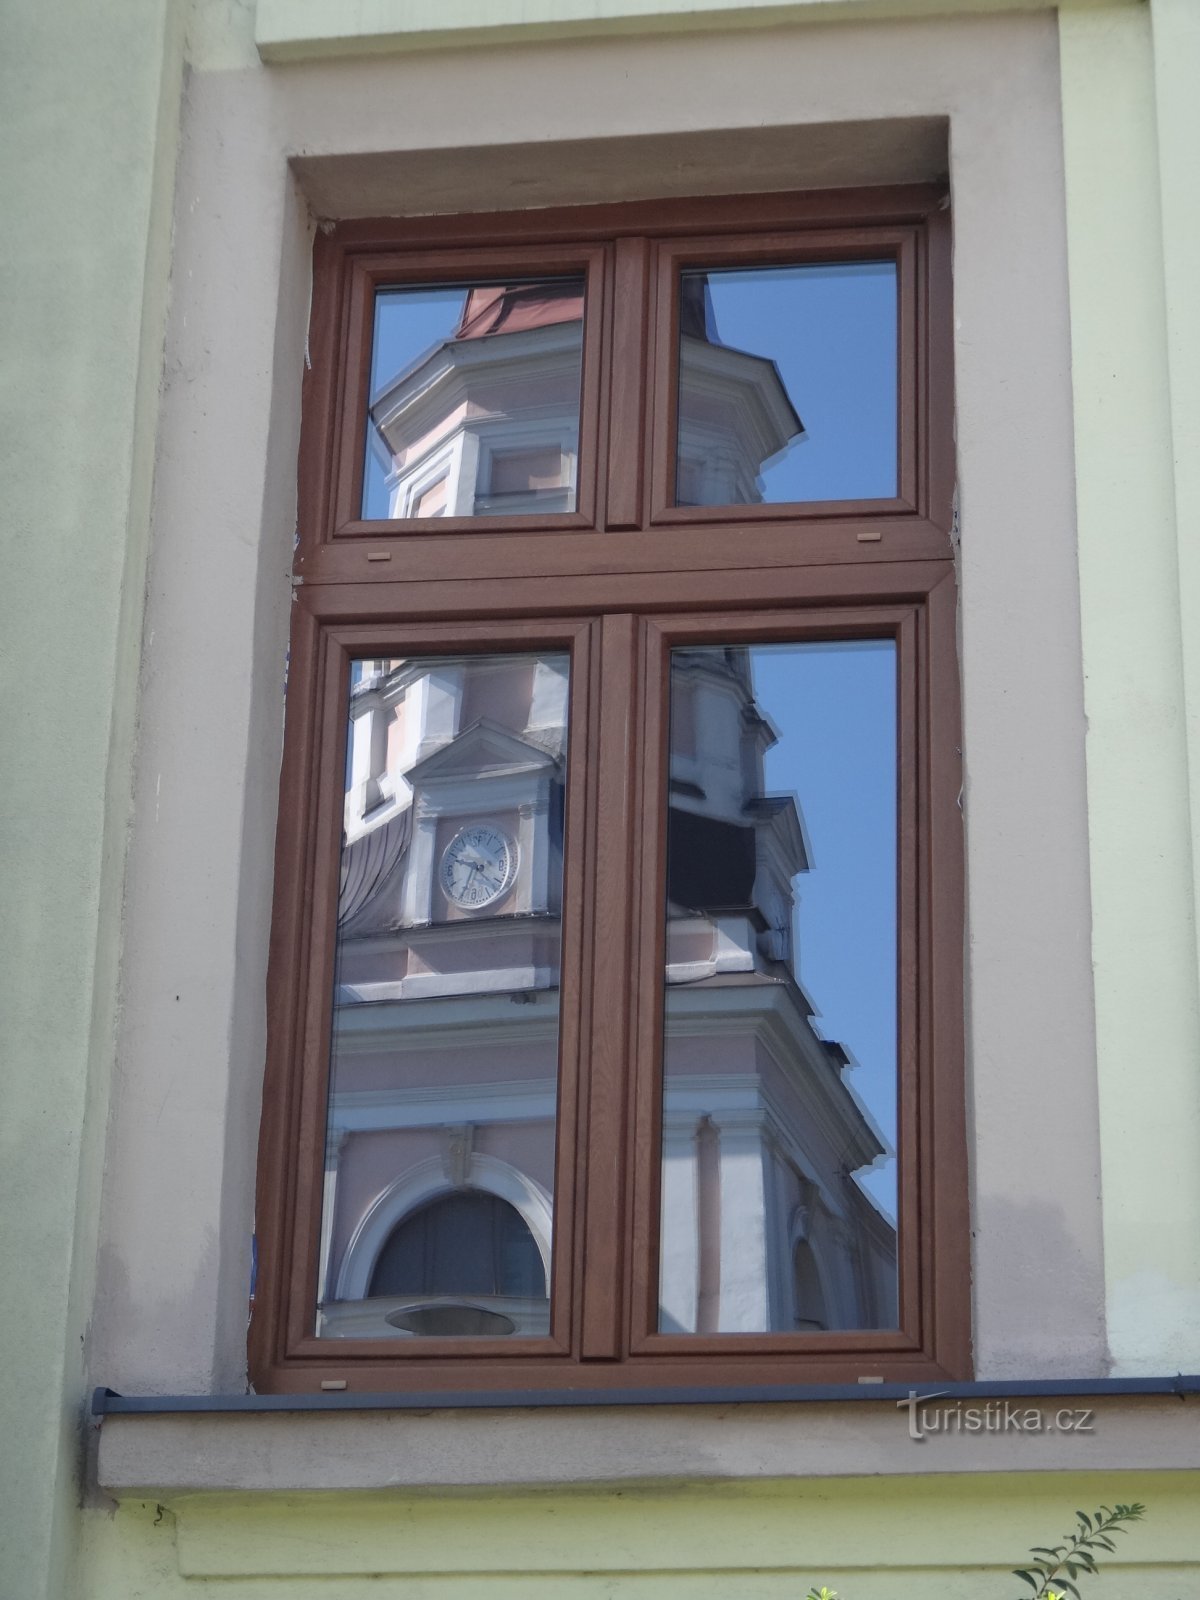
(606, 1221)
(628, 381)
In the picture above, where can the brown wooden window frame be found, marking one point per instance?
(617, 582)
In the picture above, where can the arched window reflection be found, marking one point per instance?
(466, 1243)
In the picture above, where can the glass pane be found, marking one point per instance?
(779, 1113)
(439, 1157)
(474, 400)
(787, 385)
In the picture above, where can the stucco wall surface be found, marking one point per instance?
(178, 1208)
(83, 278)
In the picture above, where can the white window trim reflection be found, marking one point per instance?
(732, 947)
(438, 986)
(465, 456)
(437, 688)
(426, 1182)
(405, 490)
(502, 436)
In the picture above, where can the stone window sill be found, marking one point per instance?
(256, 1446)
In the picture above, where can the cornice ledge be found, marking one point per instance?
(288, 31)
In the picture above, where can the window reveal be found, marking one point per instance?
(477, 940)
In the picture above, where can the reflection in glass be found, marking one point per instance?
(474, 400)
(762, 348)
(778, 1179)
(439, 1162)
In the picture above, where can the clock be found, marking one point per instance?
(478, 866)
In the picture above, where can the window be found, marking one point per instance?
(473, 1257)
(616, 1014)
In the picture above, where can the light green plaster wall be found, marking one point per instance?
(915, 1539)
(1175, 27)
(90, 96)
(1143, 898)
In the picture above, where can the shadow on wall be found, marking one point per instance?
(1038, 1292)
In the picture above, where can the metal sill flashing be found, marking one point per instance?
(107, 1403)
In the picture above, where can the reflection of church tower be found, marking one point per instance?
(763, 1226)
(734, 414)
(440, 1173)
(487, 422)
(438, 1207)
(440, 1152)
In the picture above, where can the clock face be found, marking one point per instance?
(478, 866)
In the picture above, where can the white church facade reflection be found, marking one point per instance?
(763, 1225)
(445, 1045)
(438, 1207)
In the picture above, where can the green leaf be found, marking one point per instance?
(1065, 1587)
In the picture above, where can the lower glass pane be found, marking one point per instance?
(439, 1172)
(780, 1066)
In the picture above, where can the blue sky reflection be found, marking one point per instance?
(834, 708)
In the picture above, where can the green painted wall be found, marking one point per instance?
(927, 1538)
(90, 95)
(1175, 28)
(1127, 454)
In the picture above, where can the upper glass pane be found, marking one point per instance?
(474, 400)
(778, 1209)
(437, 1215)
(787, 385)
